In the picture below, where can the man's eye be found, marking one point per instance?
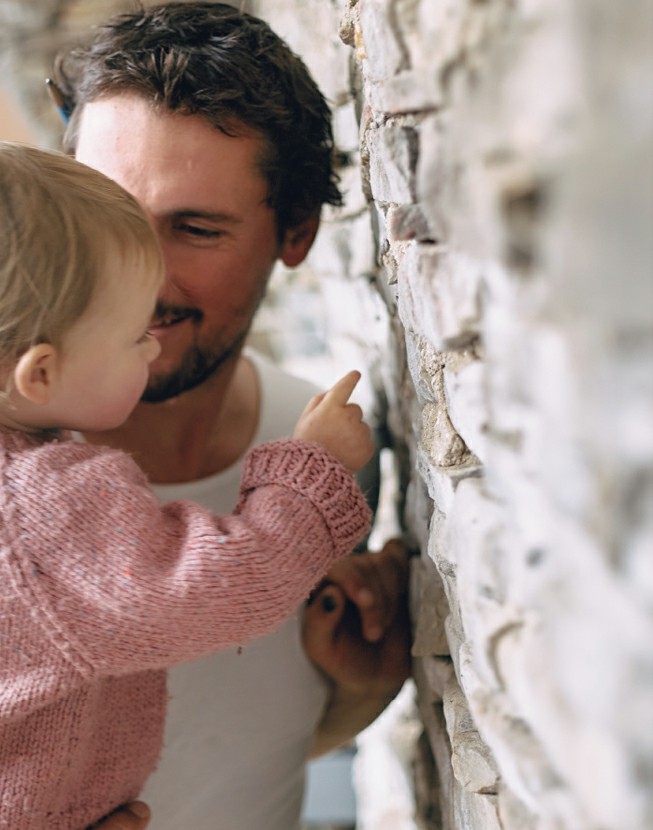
(198, 231)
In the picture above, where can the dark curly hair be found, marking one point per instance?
(229, 67)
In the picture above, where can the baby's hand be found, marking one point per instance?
(337, 425)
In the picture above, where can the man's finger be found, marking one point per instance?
(321, 619)
(340, 391)
(365, 590)
(399, 548)
(134, 816)
(371, 582)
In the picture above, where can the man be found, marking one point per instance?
(209, 120)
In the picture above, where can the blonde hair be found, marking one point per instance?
(58, 221)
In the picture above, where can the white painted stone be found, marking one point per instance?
(346, 129)
(472, 762)
(444, 446)
(438, 33)
(311, 30)
(513, 815)
(440, 485)
(405, 92)
(433, 176)
(476, 811)
(354, 200)
(391, 167)
(467, 405)
(450, 319)
(379, 51)
(407, 222)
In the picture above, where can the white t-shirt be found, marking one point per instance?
(240, 725)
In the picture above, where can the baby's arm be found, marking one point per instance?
(123, 584)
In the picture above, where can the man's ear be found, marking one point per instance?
(297, 241)
(36, 372)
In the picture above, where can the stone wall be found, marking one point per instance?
(494, 275)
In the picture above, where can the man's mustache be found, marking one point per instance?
(164, 313)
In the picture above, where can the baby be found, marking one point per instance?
(101, 588)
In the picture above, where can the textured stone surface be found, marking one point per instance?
(501, 171)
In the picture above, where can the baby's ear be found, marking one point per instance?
(36, 372)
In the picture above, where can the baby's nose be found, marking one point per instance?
(154, 349)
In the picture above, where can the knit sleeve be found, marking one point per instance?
(121, 584)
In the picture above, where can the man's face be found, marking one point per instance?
(206, 199)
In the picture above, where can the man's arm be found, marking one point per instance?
(357, 632)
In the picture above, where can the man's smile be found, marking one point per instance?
(164, 321)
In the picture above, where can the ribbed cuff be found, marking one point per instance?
(314, 473)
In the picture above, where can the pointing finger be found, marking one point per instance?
(340, 391)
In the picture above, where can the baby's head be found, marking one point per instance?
(68, 237)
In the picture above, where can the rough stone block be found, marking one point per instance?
(391, 152)
(379, 49)
(477, 812)
(472, 762)
(406, 92)
(439, 295)
(430, 602)
(467, 404)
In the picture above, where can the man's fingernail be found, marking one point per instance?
(374, 633)
(139, 809)
(328, 603)
(365, 597)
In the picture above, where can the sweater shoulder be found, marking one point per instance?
(52, 478)
(61, 456)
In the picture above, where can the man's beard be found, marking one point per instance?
(197, 367)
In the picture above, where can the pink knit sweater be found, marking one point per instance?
(101, 589)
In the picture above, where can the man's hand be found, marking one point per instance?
(375, 583)
(134, 816)
(356, 628)
(357, 632)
